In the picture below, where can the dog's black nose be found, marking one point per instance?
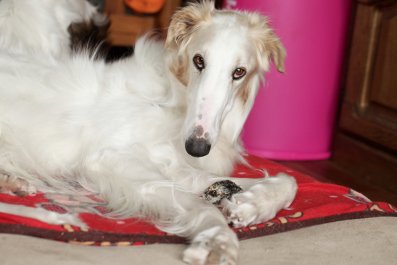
(197, 147)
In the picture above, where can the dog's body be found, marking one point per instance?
(124, 130)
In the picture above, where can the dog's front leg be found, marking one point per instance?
(217, 245)
(246, 201)
(260, 200)
(212, 241)
(172, 207)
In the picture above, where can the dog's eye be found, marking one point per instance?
(239, 73)
(198, 61)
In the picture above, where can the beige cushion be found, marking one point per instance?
(363, 241)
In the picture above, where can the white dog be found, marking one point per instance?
(156, 135)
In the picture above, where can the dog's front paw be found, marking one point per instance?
(261, 202)
(214, 246)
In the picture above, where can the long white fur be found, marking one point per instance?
(119, 129)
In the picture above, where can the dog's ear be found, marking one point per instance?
(185, 21)
(277, 51)
(268, 43)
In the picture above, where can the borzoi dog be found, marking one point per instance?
(155, 135)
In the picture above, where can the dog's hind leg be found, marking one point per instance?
(15, 185)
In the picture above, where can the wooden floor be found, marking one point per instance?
(327, 171)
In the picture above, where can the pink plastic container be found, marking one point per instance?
(294, 113)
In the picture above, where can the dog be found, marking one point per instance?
(156, 135)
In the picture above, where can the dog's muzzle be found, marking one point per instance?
(197, 147)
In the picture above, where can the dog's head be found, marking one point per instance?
(220, 57)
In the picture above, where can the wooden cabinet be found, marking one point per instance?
(370, 105)
(367, 136)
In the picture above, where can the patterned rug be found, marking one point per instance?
(316, 203)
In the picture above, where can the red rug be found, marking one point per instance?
(316, 203)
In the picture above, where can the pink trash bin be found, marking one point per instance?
(293, 116)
